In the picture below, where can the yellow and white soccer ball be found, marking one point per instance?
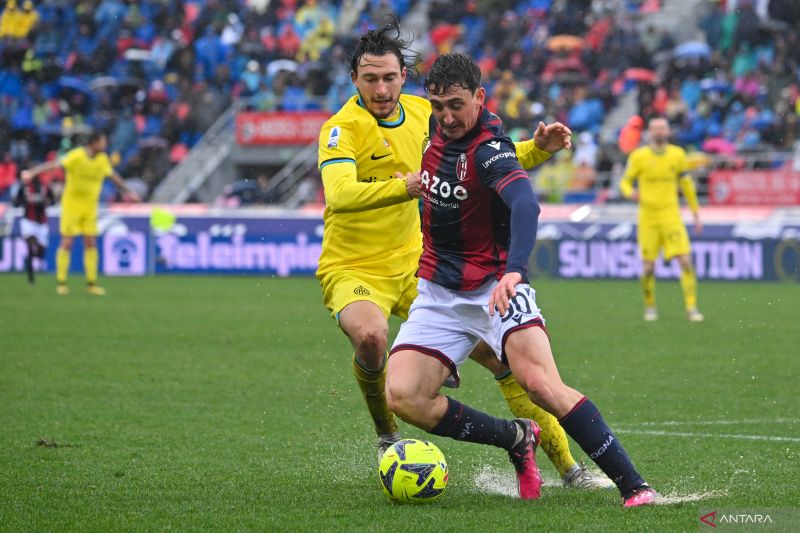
(413, 471)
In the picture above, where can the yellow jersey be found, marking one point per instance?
(84, 178)
(659, 174)
(371, 224)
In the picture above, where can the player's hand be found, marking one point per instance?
(553, 137)
(413, 183)
(26, 176)
(503, 291)
(635, 196)
(132, 197)
(698, 226)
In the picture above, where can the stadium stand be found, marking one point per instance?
(159, 75)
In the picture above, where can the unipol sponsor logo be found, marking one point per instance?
(236, 254)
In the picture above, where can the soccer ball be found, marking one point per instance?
(413, 471)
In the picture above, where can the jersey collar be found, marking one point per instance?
(397, 120)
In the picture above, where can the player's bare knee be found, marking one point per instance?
(403, 399)
(370, 345)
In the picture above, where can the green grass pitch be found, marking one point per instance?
(227, 404)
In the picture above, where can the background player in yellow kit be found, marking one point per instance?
(660, 168)
(372, 240)
(85, 168)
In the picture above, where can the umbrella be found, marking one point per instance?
(640, 74)
(692, 49)
(718, 145)
(153, 143)
(281, 64)
(711, 84)
(564, 42)
(104, 82)
(137, 54)
(75, 84)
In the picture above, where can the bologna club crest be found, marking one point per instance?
(461, 167)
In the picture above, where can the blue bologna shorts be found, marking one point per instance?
(448, 324)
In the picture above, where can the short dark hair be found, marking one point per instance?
(453, 70)
(386, 40)
(94, 136)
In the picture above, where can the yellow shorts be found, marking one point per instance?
(671, 236)
(393, 295)
(76, 222)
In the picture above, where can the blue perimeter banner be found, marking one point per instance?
(287, 246)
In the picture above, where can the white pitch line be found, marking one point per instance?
(721, 422)
(664, 433)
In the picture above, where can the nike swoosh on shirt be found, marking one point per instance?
(379, 157)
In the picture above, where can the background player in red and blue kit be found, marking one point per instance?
(479, 228)
(34, 197)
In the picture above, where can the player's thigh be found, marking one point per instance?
(69, 224)
(88, 223)
(676, 240)
(40, 232)
(650, 239)
(434, 329)
(530, 356)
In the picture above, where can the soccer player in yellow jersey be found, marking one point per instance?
(372, 239)
(85, 168)
(660, 169)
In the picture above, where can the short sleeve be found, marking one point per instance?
(70, 159)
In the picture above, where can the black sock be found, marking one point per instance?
(29, 267)
(462, 422)
(586, 426)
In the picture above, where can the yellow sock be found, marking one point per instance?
(62, 264)
(649, 288)
(554, 439)
(371, 383)
(689, 286)
(90, 264)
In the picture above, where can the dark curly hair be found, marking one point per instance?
(386, 40)
(453, 70)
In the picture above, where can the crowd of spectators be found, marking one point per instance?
(737, 90)
(155, 74)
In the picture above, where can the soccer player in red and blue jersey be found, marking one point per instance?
(34, 197)
(479, 226)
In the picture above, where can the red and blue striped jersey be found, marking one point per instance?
(465, 223)
(34, 197)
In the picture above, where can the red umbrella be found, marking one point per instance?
(718, 145)
(640, 74)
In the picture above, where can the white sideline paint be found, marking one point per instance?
(665, 433)
(722, 422)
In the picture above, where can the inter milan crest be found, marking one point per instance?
(461, 167)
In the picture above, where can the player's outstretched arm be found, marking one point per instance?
(28, 175)
(130, 195)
